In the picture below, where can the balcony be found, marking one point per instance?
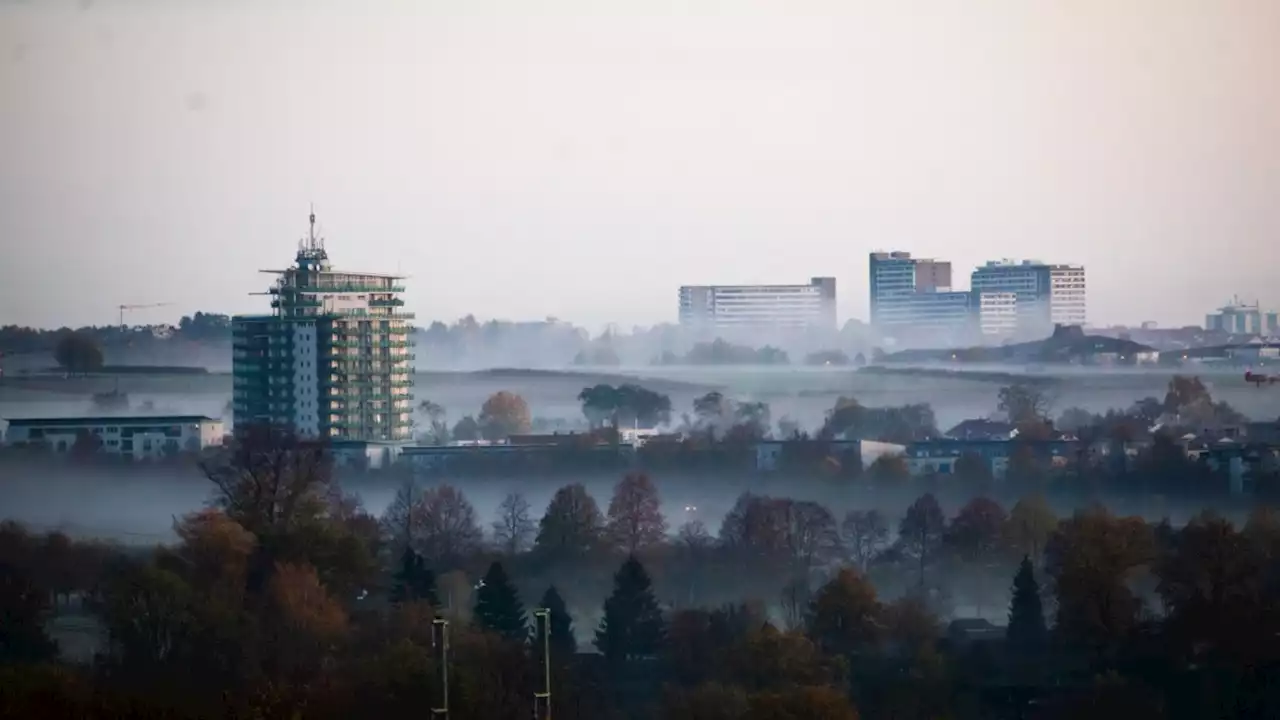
(386, 302)
(350, 289)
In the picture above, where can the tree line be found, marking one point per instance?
(286, 598)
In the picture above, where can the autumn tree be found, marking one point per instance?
(635, 518)
(976, 536)
(1092, 559)
(632, 626)
(572, 522)
(865, 534)
(445, 529)
(844, 617)
(514, 529)
(305, 623)
(498, 607)
(1029, 526)
(504, 414)
(768, 659)
(1211, 582)
(801, 703)
(921, 531)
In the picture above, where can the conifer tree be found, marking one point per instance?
(413, 580)
(632, 626)
(1027, 634)
(563, 643)
(498, 606)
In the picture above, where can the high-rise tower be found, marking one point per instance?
(333, 361)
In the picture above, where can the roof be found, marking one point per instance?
(980, 428)
(117, 420)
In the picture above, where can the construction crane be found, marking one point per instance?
(139, 307)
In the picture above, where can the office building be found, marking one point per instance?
(1067, 295)
(1046, 295)
(727, 307)
(136, 438)
(333, 359)
(912, 300)
(997, 314)
(1243, 319)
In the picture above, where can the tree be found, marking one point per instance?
(866, 534)
(801, 703)
(1075, 419)
(1092, 559)
(445, 526)
(1029, 526)
(305, 621)
(23, 606)
(562, 640)
(438, 427)
(713, 411)
(467, 429)
(146, 613)
(498, 607)
(78, 352)
(921, 531)
(413, 580)
(1185, 393)
(504, 414)
(605, 404)
(572, 522)
(271, 481)
(889, 470)
(844, 617)
(1027, 635)
(635, 514)
(1023, 403)
(976, 536)
(973, 472)
(514, 529)
(632, 627)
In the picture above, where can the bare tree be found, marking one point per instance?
(397, 522)
(796, 596)
(270, 480)
(635, 514)
(445, 526)
(866, 534)
(514, 529)
(813, 536)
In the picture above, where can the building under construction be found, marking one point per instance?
(333, 360)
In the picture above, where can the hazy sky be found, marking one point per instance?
(583, 159)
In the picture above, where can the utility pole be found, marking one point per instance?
(542, 700)
(440, 640)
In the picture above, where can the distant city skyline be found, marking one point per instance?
(520, 164)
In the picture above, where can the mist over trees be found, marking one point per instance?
(286, 597)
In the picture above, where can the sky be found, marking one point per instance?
(582, 160)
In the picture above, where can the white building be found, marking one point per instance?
(753, 306)
(333, 361)
(1067, 298)
(997, 314)
(140, 437)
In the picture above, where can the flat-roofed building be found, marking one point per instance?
(728, 307)
(137, 437)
